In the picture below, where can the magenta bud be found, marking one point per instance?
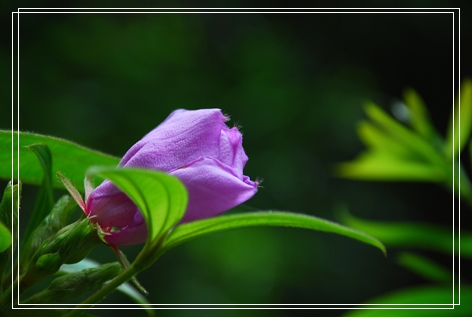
(195, 146)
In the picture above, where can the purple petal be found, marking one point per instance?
(110, 207)
(183, 137)
(130, 235)
(213, 188)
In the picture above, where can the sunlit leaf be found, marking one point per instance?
(419, 295)
(377, 139)
(161, 198)
(414, 142)
(425, 267)
(414, 235)
(384, 167)
(460, 125)
(419, 116)
(70, 158)
(45, 199)
(192, 230)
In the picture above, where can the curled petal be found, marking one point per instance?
(213, 188)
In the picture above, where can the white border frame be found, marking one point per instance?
(227, 10)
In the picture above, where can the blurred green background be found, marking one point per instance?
(295, 83)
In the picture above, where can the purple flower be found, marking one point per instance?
(195, 146)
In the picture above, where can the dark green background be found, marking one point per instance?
(295, 83)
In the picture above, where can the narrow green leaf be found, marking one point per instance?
(425, 267)
(419, 116)
(379, 166)
(419, 295)
(377, 139)
(125, 288)
(414, 235)
(5, 237)
(460, 125)
(70, 158)
(45, 198)
(414, 142)
(192, 230)
(161, 198)
(72, 190)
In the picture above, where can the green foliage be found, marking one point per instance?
(417, 154)
(125, 288)
(72, 285)
(425, 268)
(5, 237)
(420, 295)
(413, 235)
(54, 221)
(10, 205)
(44, 201)
(70, 158)
(460, 124)
(191, 230)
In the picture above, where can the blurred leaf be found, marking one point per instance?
(460, 125)
(382, 166)
(415, 235)
(419, 116)
(161, 198)
(44, 200)
(420, 295)
(69, 158)
(377, 139)
(5, 237)
(125, 288)
(411, 140)
(192, 230)
(425, 267)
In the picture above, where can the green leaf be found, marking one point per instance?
(425, 267)
(45, 198)
(419, 116)
(414, 142)
(161, 198)
(10, 205)
(192, 230)
(379, 140)
(70, 158)
(5, 237)
(420, 295)
(75, 284)
(125, 288)
(460, 125)
(380, 166)
(415, 235)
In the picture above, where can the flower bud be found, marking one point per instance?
(195, 146)
(69, 245)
